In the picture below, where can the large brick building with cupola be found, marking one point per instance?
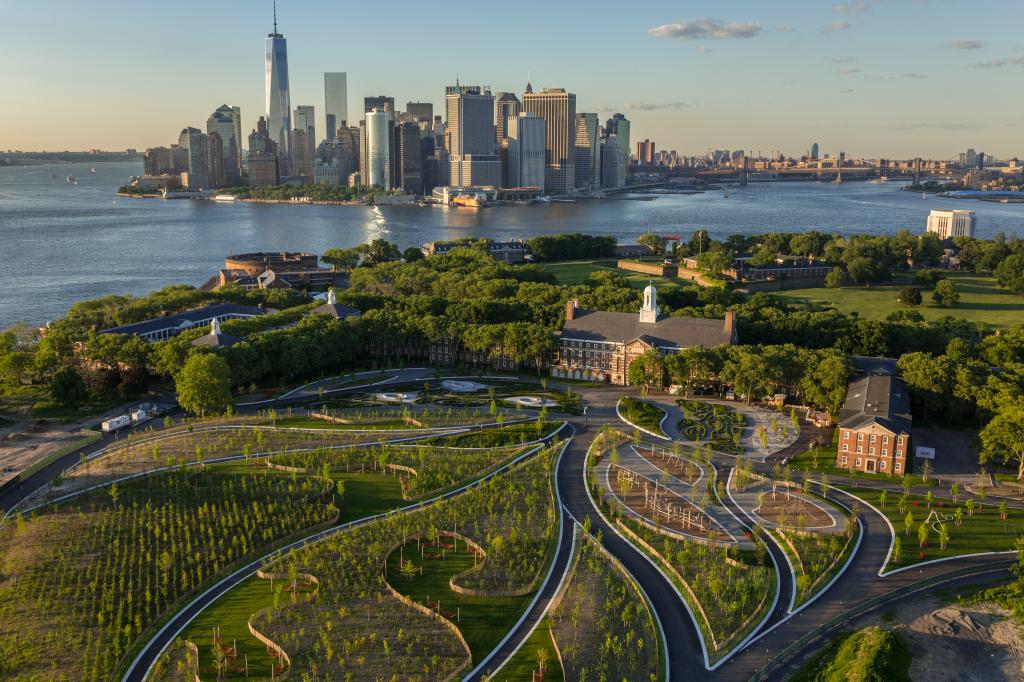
(600, 346)
(875, 425)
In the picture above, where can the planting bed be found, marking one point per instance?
(720, 425)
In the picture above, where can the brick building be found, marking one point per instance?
(875, 425)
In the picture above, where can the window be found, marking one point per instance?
(884, 452)
(860, 436)
(846, 448)
(860, 449)
(858, 461)
(885, 440)
(871, 450)
(873, 437)
(896, 466)
(846, 435)
(844, 460)
(881, 465)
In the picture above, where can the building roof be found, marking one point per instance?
(335, 309)
(880, 399)
(220, 340)
(668, 332)
(866, 364)
(187, 319)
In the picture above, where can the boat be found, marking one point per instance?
(92, 170)
(467, 201)
(71, 180)
(225, 198)
(883, 178)
(924, 195)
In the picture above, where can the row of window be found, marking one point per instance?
(881, 464)
(874, 437)
(871, 450)
(591, 344)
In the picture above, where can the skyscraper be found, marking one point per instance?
(814, 151)
(279, 104)
(588, 152)
(618, 125)
(527, 139)
(381, 102)
(410, 157)
(645, 153)
(472, 161)
(335, 102)
(506, 106)
(613, 169)
(227, 123)
(196, 145)
(558, 109)
(378, 150)
(420, 111)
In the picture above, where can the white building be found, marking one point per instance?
(527, 135)
(378, 150)
(948, 224)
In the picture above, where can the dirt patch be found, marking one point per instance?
(663, 507)
(787, 511)
(974, 644)
(679, 467)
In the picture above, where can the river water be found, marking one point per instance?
(60, 242)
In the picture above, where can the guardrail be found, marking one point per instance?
(825, 629)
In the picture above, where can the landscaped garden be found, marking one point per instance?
(502, 436)
(719, 425)
(536, 659)
(502, 394)
(353, 623)
(642, 414)
(929, 527)
(602, 625)
(82, 584)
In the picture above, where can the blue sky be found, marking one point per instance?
(889, 77)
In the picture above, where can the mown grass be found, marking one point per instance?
(868, 655)
(643, 414)
(981, 300)
(525, 663)
(578, 272)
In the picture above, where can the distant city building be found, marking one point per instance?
(471, 157)
(380, 102)
(279, 104)
(588, 152)
(618, 125)
(215, 159)
(952, 223)
(196, 146)
(613, 167)
(335, 102)
(410, 158)
(302, 156)
(645, 153)
(420, 111)
(378, 150)
(264, 161)
(159, 161)
(227, 123)
(558, 109)
(527, 139)
(814, 151)
(506, 106)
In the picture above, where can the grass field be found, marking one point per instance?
(525, 663)
(984, 531)
(577, 272)
(980, 300)
(643, 414)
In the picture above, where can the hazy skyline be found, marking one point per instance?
(891, 77)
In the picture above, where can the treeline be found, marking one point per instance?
(318, 192)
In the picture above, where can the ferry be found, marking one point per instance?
(225, 198)
(467, 201)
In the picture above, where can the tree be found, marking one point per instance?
(909, 296)
(379, 251)
(922, 534)
(341, 259)
(654, 241)
(945, 293)
(67, 388)
(834, 278)
(861, 270)
(943, 536)
(1010, 273)
(648, 369)
(412, 254)
(204, 385)
(713, 262)
(1002, 439)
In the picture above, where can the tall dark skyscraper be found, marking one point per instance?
(279, 105)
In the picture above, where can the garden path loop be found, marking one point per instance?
(748, 501)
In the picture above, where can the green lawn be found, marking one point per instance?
(643, 414)
(869, 654)
(303, 422)
(980, 300)
(985, 531)
(577, 272)
(522, 666)
(483, 621)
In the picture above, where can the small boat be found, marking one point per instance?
(92, 170)
(924, 195)
(71, 179)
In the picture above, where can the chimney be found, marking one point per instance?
(729, 328)
(571, 308)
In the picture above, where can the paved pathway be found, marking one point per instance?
(749, 500)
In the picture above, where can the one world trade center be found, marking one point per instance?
(279, 123)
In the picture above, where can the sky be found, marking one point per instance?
(893, 78)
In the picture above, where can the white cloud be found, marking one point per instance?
(837, 26)
(996, 63)
(967, 44)
(852, 7)
(654, 106)
(696, 29)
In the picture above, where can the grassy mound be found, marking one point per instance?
(869, 655)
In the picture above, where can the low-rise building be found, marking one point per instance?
(600, 346)
(954, 223)
(511, 251)
(167, 326)
(875, 425)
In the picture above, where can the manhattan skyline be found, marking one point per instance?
(895, 77)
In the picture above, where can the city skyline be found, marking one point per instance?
(692, 78)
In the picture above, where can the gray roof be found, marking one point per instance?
(865, 364)
(187, 319)
(338, 310)
(880, 399)
(668, 332)
(216, 340)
